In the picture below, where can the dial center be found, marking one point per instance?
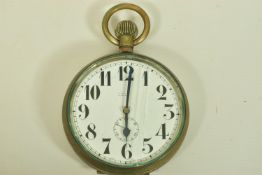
(126, 110)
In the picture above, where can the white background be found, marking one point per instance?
(214, 48)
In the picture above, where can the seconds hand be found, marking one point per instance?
(126, 109)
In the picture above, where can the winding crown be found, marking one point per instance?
(126, 28)
(126, 32)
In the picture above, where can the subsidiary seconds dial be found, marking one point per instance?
(126, 111)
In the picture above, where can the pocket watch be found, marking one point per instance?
(125, 113)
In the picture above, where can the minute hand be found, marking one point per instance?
(128, 88)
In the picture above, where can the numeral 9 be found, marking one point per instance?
(84, 110)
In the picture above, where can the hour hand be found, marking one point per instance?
(126, 130)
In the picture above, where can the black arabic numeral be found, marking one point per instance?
(93, 92)
(126, 151)
(145, 78)
(105, 78)
(162, 132)
(162, 90)
(107, 151)
(171, 113)
(147, 147)
(125, 71)
(121, 73)
(91, 134)
(84, 110)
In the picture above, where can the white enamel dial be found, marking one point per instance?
(97, 120)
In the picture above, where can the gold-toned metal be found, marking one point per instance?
(126, 32)
(126, 110)
(99, 172)
(126, 27)
(128, 6)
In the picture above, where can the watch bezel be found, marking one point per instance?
(116, 169)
